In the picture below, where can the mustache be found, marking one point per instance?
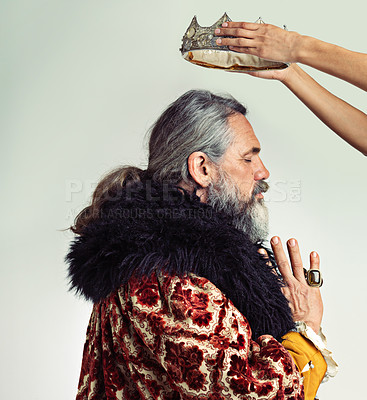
(261, 187)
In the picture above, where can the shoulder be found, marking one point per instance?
(175, 288)
(193, 301)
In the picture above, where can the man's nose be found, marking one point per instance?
(261, 171)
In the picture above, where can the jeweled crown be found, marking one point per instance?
(202, 37)
(199, 47)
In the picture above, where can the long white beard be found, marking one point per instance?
(249, 215)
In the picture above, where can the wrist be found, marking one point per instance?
(319, 341)
(296, 46)
(306, 46)
(305, 326)
(290, 75)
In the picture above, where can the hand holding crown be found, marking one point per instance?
(201, 46)
(260, 39)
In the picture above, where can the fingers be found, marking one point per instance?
(295, 268)
(243, 33)
(281, 260)
(305, 302)
(314, 260)
(244, 25)
(236, 42)
(237, 32)
(296, 260)
(240, 49)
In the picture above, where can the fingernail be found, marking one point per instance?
(275, 240)
(314, 254)
(217, 31)
(219, 41)
(292, 242)
(224, 24)
(262, 251)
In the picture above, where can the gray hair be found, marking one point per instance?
(196, 121)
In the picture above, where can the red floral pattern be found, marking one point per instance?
(173, 338)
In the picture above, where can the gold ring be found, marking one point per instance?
(313, 277)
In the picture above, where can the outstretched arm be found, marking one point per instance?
(274, 43)
(334, 60)
(277, 44)
(345, 120)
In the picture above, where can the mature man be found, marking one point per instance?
(186, 303)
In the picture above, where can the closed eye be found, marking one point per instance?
(247, 160)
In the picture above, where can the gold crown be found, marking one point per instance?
(199, 47)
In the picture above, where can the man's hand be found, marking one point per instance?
(305, 301)
(262, 40)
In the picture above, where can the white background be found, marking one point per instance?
(81, 82)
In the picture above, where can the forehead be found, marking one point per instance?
(244, 136)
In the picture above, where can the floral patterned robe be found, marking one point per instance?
(167, 338)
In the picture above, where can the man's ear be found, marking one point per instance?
(201, 168)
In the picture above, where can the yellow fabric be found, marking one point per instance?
(303, 352)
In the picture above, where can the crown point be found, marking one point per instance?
(226, 17)
(194, 23)
(223, 18)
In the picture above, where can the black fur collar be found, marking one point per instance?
(150, 226)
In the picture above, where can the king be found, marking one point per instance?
(188, 301)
